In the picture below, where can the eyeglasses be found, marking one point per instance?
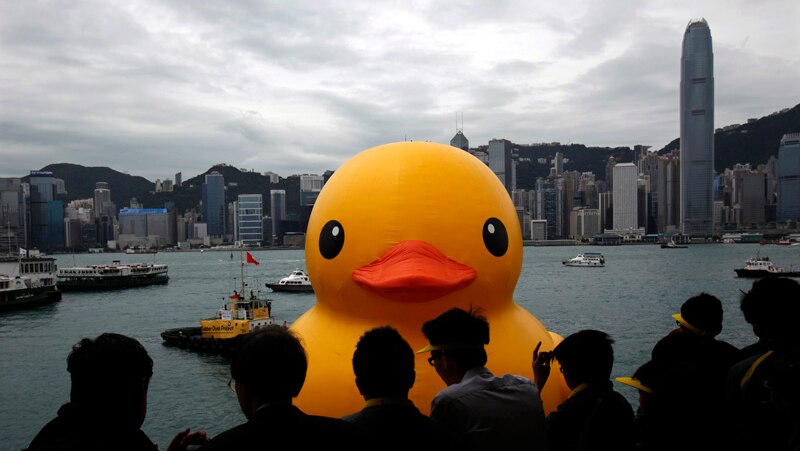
(232, 385)
(432, 359)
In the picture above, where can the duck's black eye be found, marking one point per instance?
(495, 237)
(331, 239)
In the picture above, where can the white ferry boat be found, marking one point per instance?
(296, 282)
(115, 275)
(590, 259)
(27, 281)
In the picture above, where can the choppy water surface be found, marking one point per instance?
(631, 298)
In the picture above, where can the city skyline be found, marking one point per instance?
(143, 85)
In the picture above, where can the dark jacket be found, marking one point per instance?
(79, 428)
(595, 418)
(403, 427)
(287, 427)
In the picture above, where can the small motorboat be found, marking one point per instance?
(762, 267)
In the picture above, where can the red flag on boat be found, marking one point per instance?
(252, 260)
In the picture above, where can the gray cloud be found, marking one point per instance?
(153, 88)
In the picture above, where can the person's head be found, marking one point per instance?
(383, 363)
(646, 380)
(771, 307)
(585, 357)
(456, 340)
(269, 366)
(701, 315)
(110, 374)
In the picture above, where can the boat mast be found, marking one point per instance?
(241, 287)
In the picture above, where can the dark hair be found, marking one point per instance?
(461, 334)
(772, 306)
(271, 362)
(383, 363)
(111, 365)
(704, 312)
(587, 355)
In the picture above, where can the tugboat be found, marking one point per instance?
(296, 282)
(222, 333)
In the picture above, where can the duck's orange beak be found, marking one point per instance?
(414, 271)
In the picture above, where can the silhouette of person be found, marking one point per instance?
(594, 416)
(693, 353)
(268, 370)
(667, 398)
(772, 307)
(108, 400)
(383, 363)
(490, 412)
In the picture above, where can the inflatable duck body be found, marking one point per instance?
(400, 234)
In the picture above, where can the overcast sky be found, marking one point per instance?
(155, 87)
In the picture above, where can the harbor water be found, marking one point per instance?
(631, 298)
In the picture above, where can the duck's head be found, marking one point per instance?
(410, 229)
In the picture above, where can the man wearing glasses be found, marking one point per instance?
(491, 412)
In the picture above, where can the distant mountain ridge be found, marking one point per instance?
(752, 143)
(80, 182)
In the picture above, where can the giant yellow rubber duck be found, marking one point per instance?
(399, 234)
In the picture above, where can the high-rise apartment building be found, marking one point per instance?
(697, 131)
(789, 178)
(178, 179)
(214, 204)
(625, 192)
(249, 213)
(277, 211)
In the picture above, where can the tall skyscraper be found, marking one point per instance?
(626, 190)
(550, 204)
(503, 163)
(214, 203)
(277, 211)
(102, 200)
(697, 131)
(789, 178)
(249, 214)
(13, 217)
(310, 187)
(178, 179)
(47, 213)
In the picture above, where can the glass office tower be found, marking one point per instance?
(697, 131)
